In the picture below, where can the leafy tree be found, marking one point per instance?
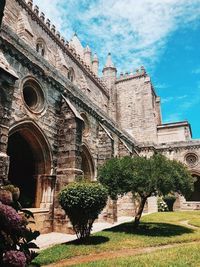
(82, 203)
(145, 177)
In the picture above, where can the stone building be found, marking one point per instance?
(59, 119)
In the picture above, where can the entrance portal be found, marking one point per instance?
(30, 165)
(22, 169)
(196, 193)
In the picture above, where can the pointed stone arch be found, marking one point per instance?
(31, 163)
(195, 196)
(87, 165)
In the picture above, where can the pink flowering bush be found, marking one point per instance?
(6, 197)
(14, 258)
(15, 236)
(10, 220)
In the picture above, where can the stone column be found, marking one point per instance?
(2, 6)
(7, 81)
(45, 185)
(69, 160)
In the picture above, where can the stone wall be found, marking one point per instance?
(136, 109)
(174, 132)
(31, 26)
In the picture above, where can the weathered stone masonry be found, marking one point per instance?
(59, 120)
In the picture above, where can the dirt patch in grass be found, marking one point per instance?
(186, 223)
(115, 254)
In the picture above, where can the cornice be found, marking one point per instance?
(184, 145)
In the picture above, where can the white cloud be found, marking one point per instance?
(174, 99)
(196, 71)
(135, 32)
(173, 117)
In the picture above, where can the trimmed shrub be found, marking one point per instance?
(83, 202)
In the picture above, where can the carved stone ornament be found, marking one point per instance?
(191, 159)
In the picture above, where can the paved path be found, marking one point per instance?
(47, 240)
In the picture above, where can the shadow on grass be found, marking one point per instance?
(152, 229)
(92, 240)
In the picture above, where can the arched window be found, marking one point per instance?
(86, 125)
(87, 165)
(40, 46)
(71, 74)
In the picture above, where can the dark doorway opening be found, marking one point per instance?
(22, 168)
(195, 196)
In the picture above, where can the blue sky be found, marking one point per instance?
(161, 35)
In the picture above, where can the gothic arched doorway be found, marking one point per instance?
(195, 196)
(87, 165)
(30, 162)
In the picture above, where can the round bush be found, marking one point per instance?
(83, 202)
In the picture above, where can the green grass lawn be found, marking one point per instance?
(184, 256)
(155, 229)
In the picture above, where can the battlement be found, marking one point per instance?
(128, 76)
(50, 29)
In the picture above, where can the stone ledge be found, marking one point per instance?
(37, 210)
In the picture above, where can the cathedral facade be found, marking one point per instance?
(60, 120)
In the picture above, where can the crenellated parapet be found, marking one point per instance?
(128, 76)
(55, 35)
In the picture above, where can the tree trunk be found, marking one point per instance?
(139, 211)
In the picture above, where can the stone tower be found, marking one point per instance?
(95, 64)
(87, 56)
(109, 77)
(136, 106)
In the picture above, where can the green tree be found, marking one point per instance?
(82, 203)
(145, 177)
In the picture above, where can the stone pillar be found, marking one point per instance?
(45, 190)
(69, 160)
(7, 81)
(2, 6)
(152, 204)
(112, 211)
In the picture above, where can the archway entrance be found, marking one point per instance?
(87, 165)
(195, 196)
(22, 168)
(30, 165)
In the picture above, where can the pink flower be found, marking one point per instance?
(6, 197)
(10, 220)
(14, 258)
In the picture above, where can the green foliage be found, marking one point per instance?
(82, 203)
(115, 175)
(145, 177)
(15, 237)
